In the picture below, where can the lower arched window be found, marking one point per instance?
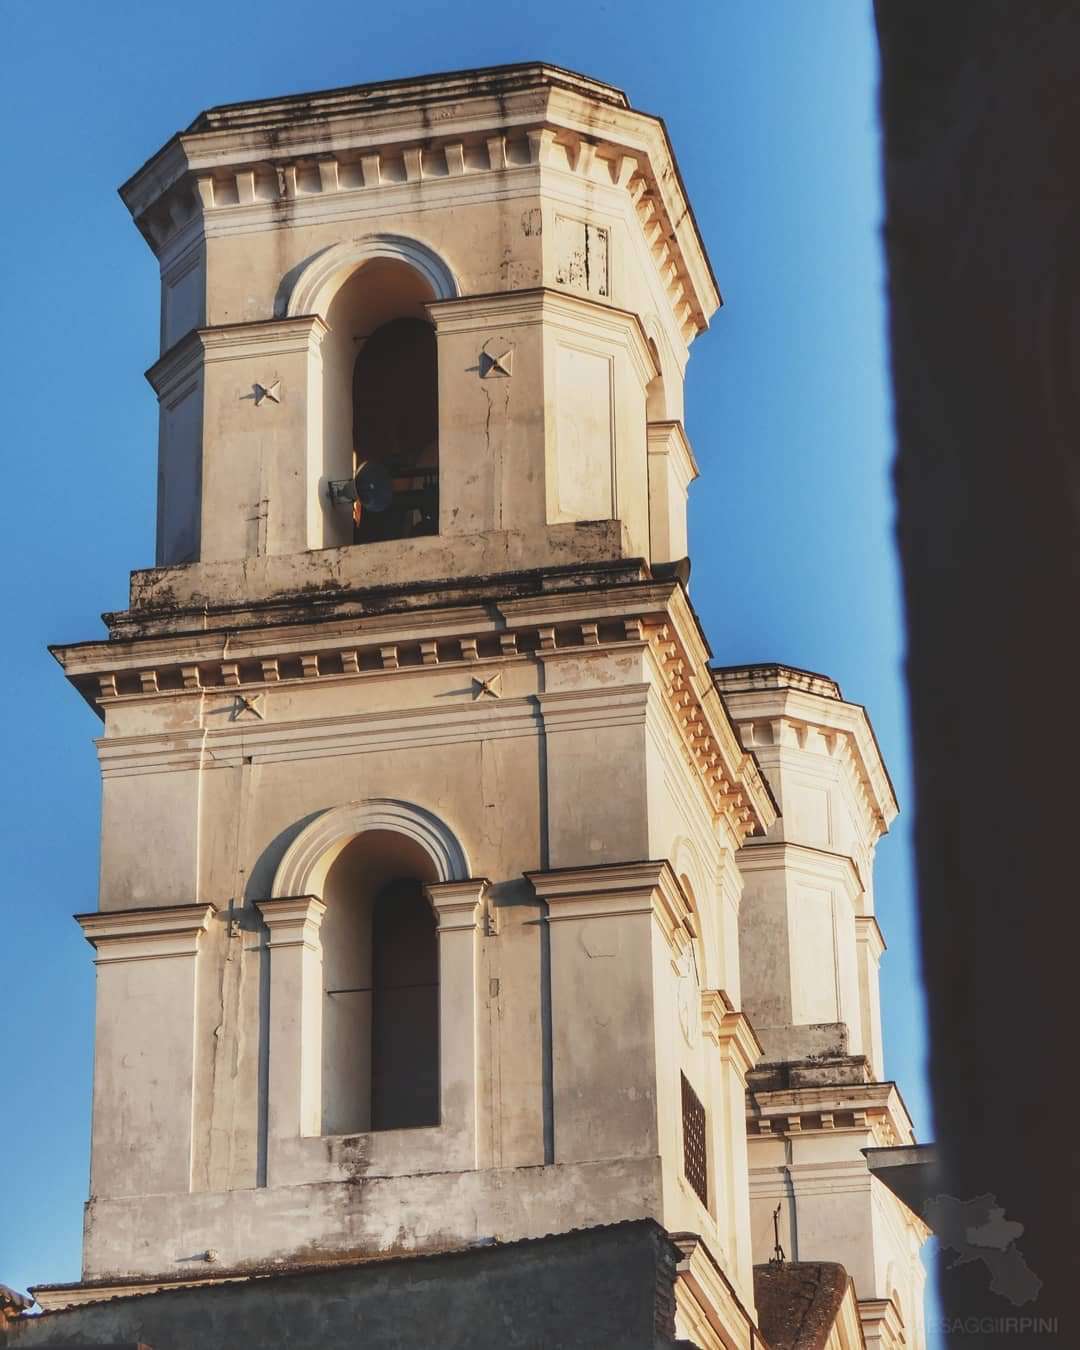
(380, 1067)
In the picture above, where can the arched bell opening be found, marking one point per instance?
(380, 403)
(380, 1064)
(396, 426)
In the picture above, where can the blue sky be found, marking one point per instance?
(771, 108)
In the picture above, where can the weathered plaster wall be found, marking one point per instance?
(611, 1286)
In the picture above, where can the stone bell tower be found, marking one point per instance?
(418, 920)
(423, 811)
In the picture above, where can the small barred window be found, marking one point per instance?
(695, 1156)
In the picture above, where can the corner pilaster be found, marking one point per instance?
(601, 922)
(145, 1019)
(737, 1050)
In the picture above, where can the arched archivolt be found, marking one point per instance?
(657, 407)
(324, 274)
(303, 869)
(686, 863)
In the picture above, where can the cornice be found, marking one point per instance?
(570, 886)
(730, 1029)
(669, 438)
(651, 617)
(229, 342)
(769, 854)
(610, 890)
(867, 931)
(223, 168)
(146, 934)
(193, 663)
(840, 730)
(877, 1107)
(732, 777)
(577, 314)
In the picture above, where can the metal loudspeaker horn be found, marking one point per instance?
(370, 489)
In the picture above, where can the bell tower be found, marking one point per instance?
(487, 283)
(419, 897)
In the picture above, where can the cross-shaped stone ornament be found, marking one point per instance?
(493, 366)
(491, 687)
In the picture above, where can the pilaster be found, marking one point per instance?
(601, 922)
(294, 1089)
(145, 1046)
(240, 412)
(737, 1050)
(458, 907)
(672, 469)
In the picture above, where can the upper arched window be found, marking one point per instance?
(380, 399)
(396, 423)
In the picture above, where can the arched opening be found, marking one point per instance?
(656, 406)
(405, 1009)
(396, 424)
(380, 1062)
(380, 399)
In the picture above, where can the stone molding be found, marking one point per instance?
(730, 1030)
(557, 311)
(659, 622)
(194, 662)
(669, 439)
(731, 776)
(313, 289)
(874, 1107)
(146, 934)
(293, 920)
(545, 120)
(882, 1323)
(232, 342)
(314, 847)
(868, 933)
(813, 713)
(803, 860)
(610, 890)
(458, 905)
(708, 1304)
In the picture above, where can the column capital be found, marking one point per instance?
(457, 904)
(293, 920)
(145, 934)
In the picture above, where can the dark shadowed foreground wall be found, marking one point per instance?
(981, 111)
(600, 1287)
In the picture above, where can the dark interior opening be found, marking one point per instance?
(405, 1011)
(396, 422)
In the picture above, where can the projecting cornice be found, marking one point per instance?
(240, 167)
(245, 663)
(874, 1107)
(778, 705)
(146, 934)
